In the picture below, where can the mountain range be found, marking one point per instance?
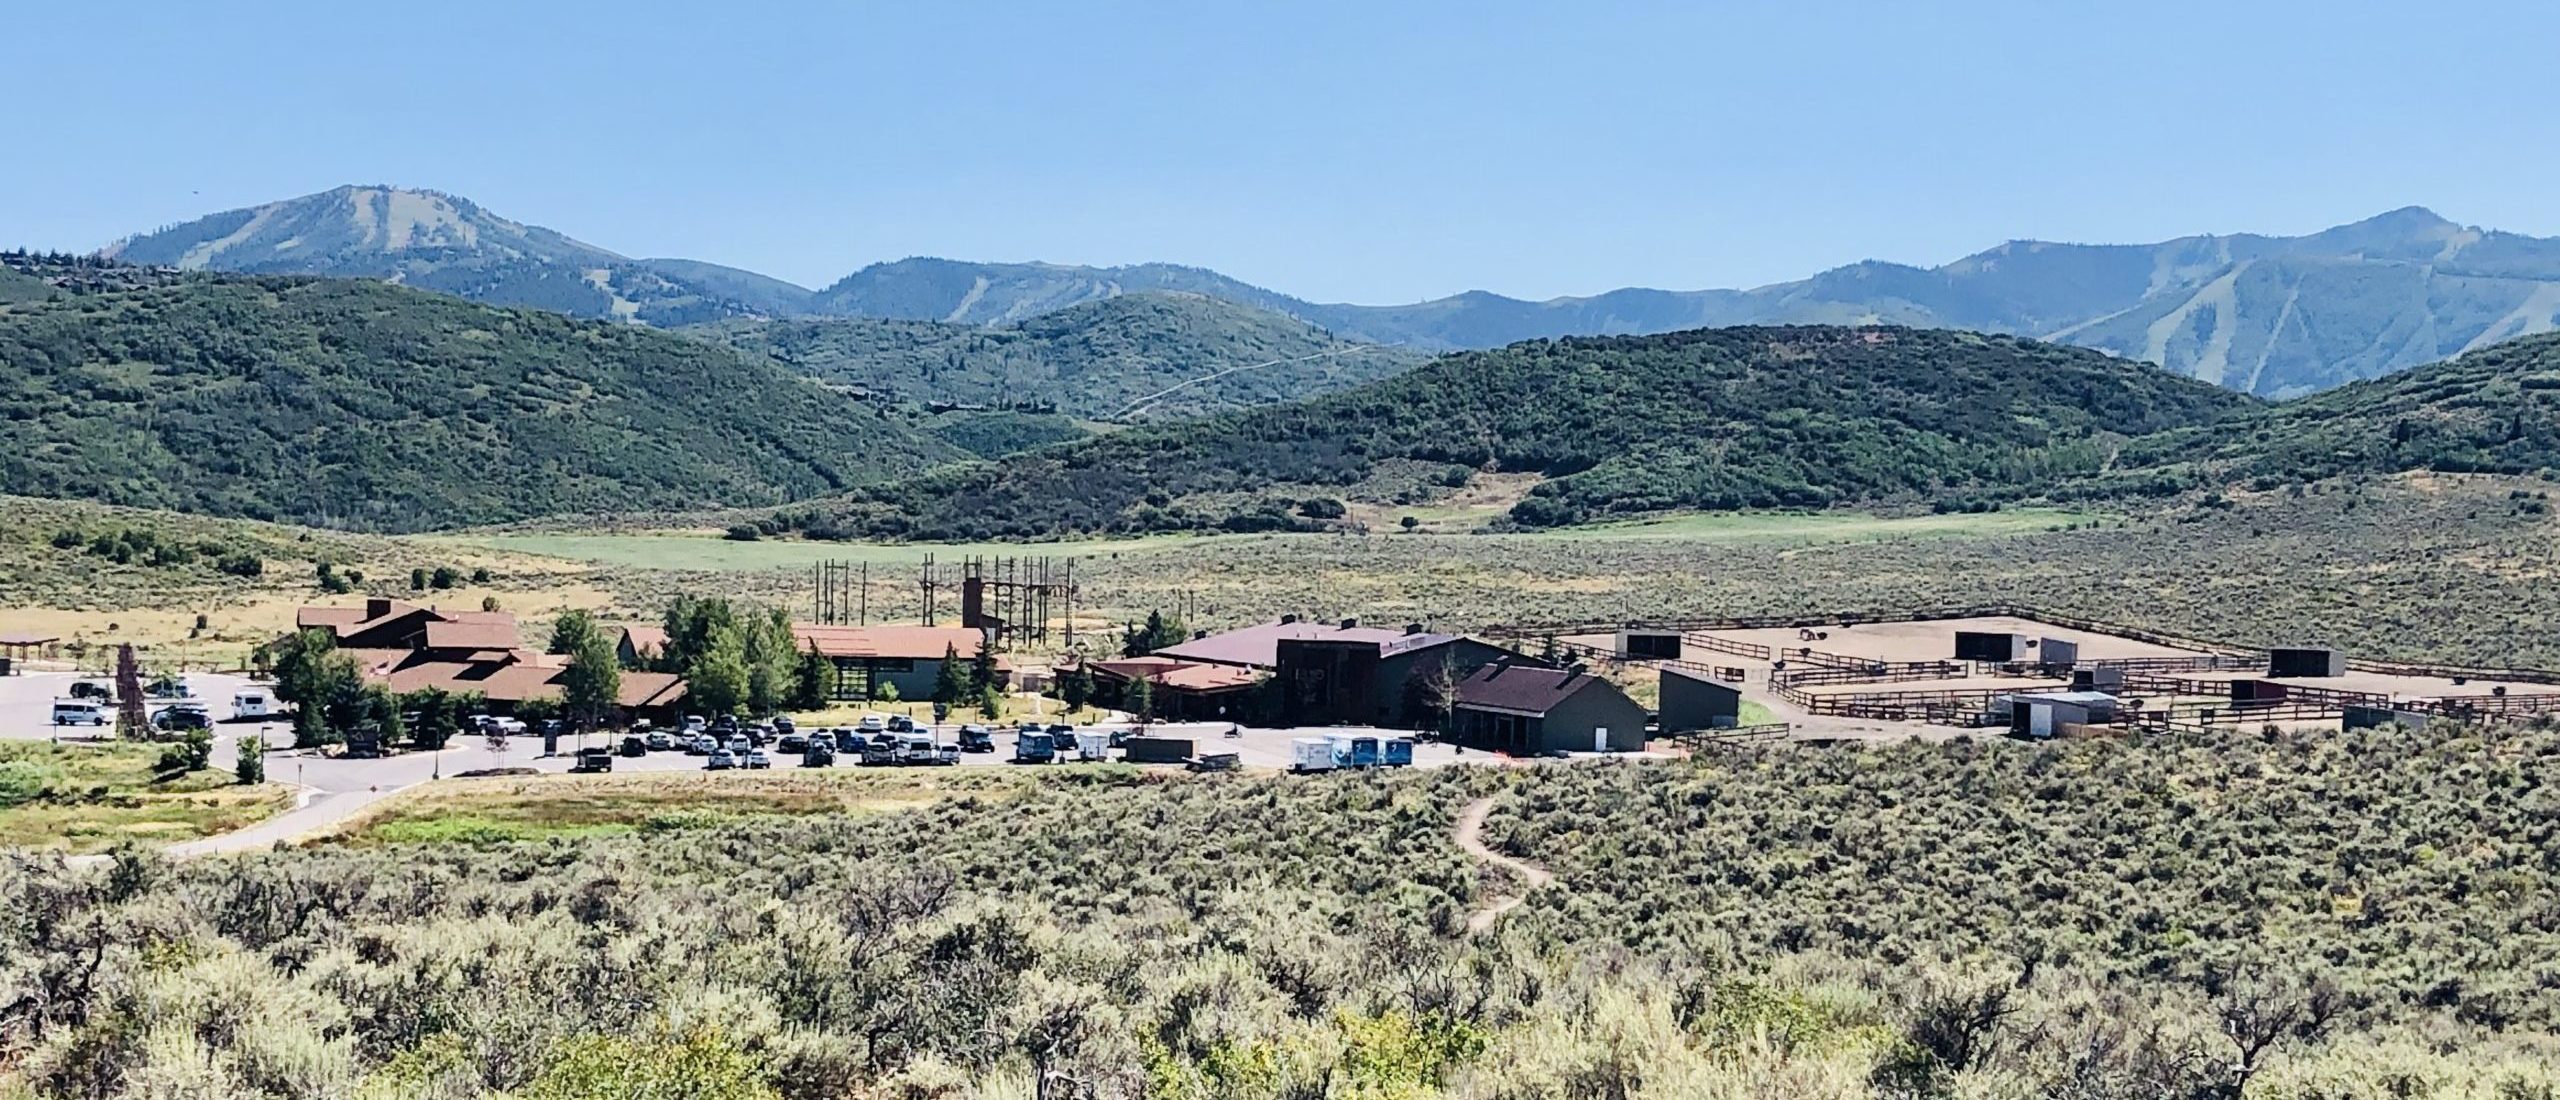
(2268, 315)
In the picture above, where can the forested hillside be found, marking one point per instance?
(1711, 419)
(1136, 356)
(2495, 410)
(352, 403)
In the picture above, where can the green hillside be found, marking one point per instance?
(357, 404)
(1709, 419)
(2496, 411)
(1136, 356)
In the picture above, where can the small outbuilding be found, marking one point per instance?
(2306, 661)
(2057, 652)
(1637, 643)
(1517, 708)
(2107, 678)
(1994, 646)
(2045, 714)
(1692, 702)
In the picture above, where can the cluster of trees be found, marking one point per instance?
(333, 703)
(144, 546)
(2129, 921)
(1712, 419)
(230, 395)
(975, 681)
(740, 658)
(443, 577)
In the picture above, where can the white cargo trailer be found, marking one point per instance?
(1311, 754)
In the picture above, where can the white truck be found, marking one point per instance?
(1093, 745)
(1311, 754)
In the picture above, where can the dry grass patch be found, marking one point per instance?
(500, 810)
(81, 799)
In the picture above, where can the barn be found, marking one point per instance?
(1691, 701)
(1522, 709)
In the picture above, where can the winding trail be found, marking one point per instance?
(1470, 836)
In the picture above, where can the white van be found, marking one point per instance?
(78, 712)
(253, 704)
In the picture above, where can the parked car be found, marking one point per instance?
(871, 724)
(593, 760)
(659, 741)
(756, 759)
(1034, 748)
(782, 723)
(790, 743)
(849, 740)
(899, 723)
(977, 739)
(79, 712)
(184, 716)
(821, 754)
(725, 724)
(879, 753)
(91, 689)
(701, 745)
(695, 723)
(634, 746)
(739, 743)
(719, 761)
(550, 727)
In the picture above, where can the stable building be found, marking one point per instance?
(1177, 690)
(475, 654)
(1361, 680)
(1636, 643)
(1691, 701)
(2050, 714)
(2306, 662)
(870, 660)
(1524, 709)
(1995, 647)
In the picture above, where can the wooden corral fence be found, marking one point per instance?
(1730, 736)
(1727, 646)
(1605, 655)
(1877, 673)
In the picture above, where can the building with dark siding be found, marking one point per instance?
(1691, 702)
(1523, 709)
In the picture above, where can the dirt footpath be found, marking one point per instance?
(1470, 836)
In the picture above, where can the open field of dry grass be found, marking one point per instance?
(499, 809)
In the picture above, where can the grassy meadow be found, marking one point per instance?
(85, 798)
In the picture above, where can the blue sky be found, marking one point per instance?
(1371, 152)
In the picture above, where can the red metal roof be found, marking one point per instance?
(920, 643)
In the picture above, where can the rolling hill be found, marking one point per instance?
(2496, 410)
(1133, 356)
(1614, 426)
(357, 404)
(436, 241)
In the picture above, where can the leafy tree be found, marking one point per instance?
(773, 662)
(418, 579)
(1159, 631)
(1431, 694)
(591, 687)
(439, 716)
(444, 577)
(313, 676)
(571, 632)
(990, 703)
(809, 687)
(190, 753)
(718, 681)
